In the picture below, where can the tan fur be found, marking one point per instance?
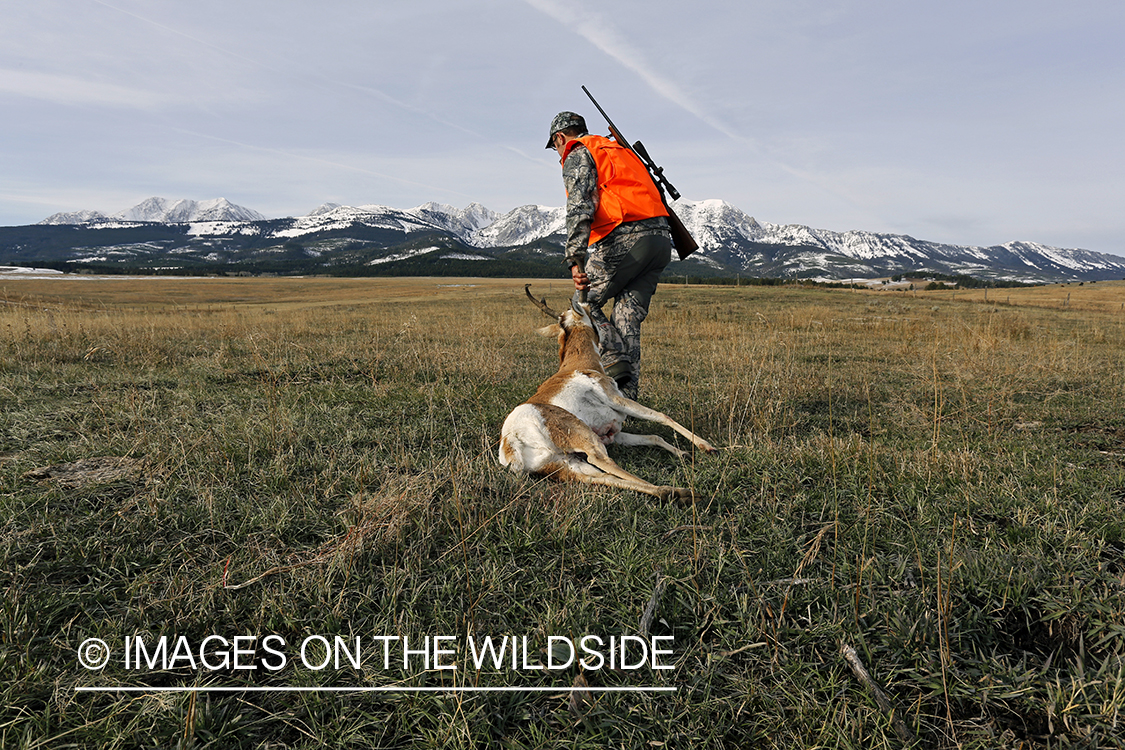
(562, 430)
(578, 350)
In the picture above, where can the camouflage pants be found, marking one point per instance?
(625, 268)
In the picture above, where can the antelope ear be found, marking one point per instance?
(551, 330)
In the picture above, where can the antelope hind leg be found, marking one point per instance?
(584, 458)
(614, 476)
(596, 467)
(665, 493)
(632, 441)
(566, 473)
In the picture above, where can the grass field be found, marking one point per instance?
(930, 485)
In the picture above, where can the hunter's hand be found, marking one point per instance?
(581, 280)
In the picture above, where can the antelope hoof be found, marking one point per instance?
(684, 495)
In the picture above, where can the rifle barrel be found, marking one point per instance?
(612, 128)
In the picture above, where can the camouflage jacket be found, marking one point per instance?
(580, 177)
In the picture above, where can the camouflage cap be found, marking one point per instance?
(563, 121)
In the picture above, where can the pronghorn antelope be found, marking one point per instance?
(563, 429)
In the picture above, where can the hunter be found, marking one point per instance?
(617, 239)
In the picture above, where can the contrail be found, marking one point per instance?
(601, 32)
(431, 116)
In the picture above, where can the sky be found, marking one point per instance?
(973, 123)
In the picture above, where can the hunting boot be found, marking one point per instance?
(622, 374)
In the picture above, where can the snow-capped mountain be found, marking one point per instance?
(163, 211)
(521, 226)
(474, 225)
(472, 218)
(182, 211)
(427, 217)
(323, 208)
(730, 241)
(75, 218)
(332, 217)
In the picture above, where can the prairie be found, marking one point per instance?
(929, 484)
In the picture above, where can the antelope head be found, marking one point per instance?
(575, 320)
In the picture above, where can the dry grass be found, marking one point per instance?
(936, 484)
(1101, 296)
(169, 293)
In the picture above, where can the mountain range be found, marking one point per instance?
(159, 210)
(436, 239)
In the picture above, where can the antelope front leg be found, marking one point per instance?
(640, 411)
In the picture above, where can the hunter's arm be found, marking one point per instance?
(580, 177)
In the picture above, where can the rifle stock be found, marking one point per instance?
(682, 240)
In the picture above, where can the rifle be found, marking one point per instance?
(681, 237)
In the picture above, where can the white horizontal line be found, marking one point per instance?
(468, 689)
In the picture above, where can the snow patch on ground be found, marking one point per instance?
(402, 256)
(18, 272)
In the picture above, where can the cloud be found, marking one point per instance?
(334, 164)
(63, 89)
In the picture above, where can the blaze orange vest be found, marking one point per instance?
(625, 189)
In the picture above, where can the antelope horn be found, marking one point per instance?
(540, 303)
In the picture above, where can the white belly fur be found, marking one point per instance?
(583, 397)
